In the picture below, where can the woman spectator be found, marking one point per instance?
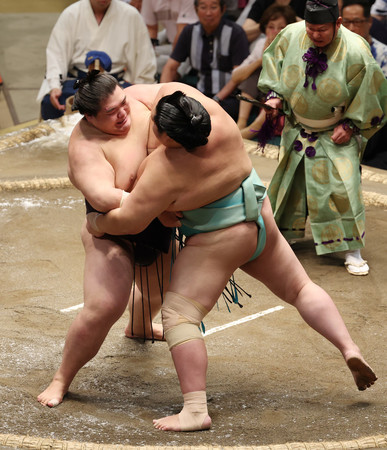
(274, 19)
(251, 24)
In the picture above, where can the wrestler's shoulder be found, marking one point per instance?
(141, 92)
(86, 137)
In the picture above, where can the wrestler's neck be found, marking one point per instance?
(153, 142)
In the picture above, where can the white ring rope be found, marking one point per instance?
(36, 443)
(35, 184)
(24, 136)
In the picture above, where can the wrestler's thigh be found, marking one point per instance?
(205, 264)
(153, 280)
(277, 266)
(108, 273)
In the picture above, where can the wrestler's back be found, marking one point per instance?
(209, 172)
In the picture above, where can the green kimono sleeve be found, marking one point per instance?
(272, 61)
(368, 106)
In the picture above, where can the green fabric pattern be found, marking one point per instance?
(316, 177)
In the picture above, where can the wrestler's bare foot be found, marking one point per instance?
(193, 417)
(158, 334)
(53, 395)
(362, 373)
(172, 423)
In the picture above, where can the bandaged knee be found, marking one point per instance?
(181, 319)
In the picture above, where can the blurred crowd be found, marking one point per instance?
(216, 46)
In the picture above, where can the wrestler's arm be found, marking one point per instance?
(91, 173)
(152, 195)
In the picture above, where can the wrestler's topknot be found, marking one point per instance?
(183, 119)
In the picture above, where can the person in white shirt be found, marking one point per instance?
(171, 16)
(379, 10)
(110, 26)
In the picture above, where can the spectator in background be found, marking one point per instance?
(173, 16)
(251, 24)
(232, 9)
(378, 28)
(274, 19)
(136, 3)
(215, 45)
(379, 11)
(357, 18)
(110, 26)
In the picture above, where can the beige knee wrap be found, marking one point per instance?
(181, 319)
